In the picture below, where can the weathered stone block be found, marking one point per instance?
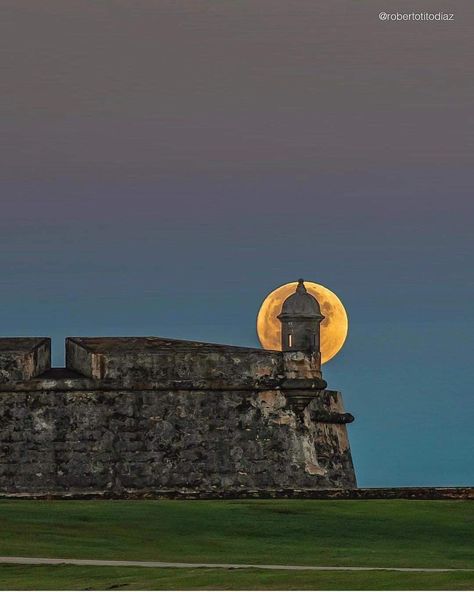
(142, 361)
(23, 358)
(154, 441)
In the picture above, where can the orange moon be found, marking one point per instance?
(334, 326)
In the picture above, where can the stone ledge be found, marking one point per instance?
(79, 383)
(64, 379)
(413, 493)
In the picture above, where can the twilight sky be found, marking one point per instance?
(167, 163)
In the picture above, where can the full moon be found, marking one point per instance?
(334, 326)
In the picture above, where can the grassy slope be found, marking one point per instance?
(13, 577)
(307, 532)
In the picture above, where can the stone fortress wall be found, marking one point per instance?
(151, 416)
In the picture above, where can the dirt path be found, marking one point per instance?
(104, 562)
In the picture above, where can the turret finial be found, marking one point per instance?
(301, 287)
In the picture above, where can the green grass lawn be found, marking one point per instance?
(108, 578)
(384, 533)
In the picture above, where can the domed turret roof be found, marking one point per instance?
(301, 304)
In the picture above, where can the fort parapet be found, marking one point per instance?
(23, 358)
(143, 416)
